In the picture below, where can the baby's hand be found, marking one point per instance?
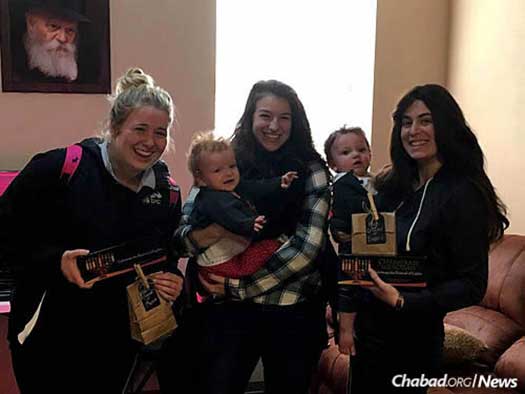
(259, 223)
(287, 179)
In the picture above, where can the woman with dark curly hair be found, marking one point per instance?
(447, 210)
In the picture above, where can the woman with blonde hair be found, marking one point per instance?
(66, 335)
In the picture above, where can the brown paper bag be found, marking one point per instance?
(366, 240)
(150, 316)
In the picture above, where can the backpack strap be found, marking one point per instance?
(174, 191)
(166, 182)
(71, 162)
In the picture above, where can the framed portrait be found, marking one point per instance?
(55, 46)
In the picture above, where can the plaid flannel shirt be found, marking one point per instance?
(291, 274)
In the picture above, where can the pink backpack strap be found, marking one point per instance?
(6, 177)
(71, 162)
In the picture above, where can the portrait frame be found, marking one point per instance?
(93, 51)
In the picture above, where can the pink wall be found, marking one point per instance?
(487, 76)
(411, 48)
(173, 40)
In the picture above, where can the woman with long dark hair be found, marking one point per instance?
(277, 313)
(447, 210)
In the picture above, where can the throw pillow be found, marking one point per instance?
(461, 346)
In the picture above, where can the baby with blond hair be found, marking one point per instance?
(226, 200)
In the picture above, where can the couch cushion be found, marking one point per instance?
(495, 329)
(326, 362)
(461, 346)
(506, 284)
(511, 364)
(512, 299)
(333, 371)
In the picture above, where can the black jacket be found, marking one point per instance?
(238, 213)
(452, 231)
(41, 216)
(348, 197)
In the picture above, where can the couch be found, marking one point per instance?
(498, 322)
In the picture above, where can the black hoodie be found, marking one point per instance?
(41, 216)
(445, 220)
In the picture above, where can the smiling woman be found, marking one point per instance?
(419, 142)
(272, 122)
(446, 210)
(138, 144)
(276, 312)
(120, 192)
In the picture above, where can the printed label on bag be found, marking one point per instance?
(148, 297)
(375, 230)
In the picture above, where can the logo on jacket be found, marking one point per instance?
(154, 198)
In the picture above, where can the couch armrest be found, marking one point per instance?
(511, 364)
(492, 327)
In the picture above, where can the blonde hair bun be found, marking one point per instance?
(135, 89)
(133, 78)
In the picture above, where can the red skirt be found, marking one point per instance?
(247, 262)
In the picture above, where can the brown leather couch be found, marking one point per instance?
(498, 321)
